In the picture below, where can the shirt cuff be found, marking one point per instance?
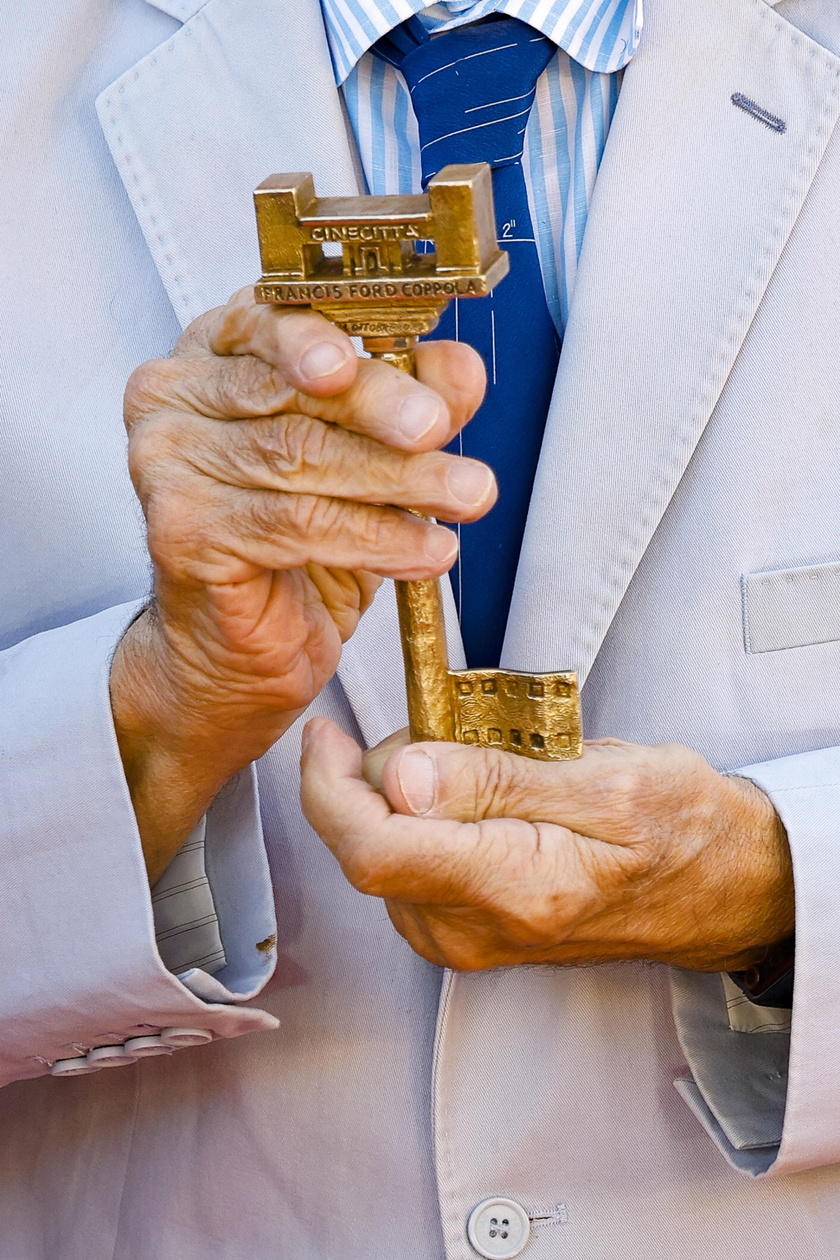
(769, 1097)
(186, 924)
(736, 1083)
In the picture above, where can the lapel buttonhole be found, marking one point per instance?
(749, 106)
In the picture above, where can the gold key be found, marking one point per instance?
(356, 260)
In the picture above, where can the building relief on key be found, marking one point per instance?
(384, 269)
(536, 715)
(359, 252)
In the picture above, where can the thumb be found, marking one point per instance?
(468, 784)
(590, 795)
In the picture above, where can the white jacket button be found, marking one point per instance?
(109, 1056)
(145, 1047)
(180, 1038)
(73, 1067)
(498, 1228)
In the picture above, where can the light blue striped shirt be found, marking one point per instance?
(567, 129)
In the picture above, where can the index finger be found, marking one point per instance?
(308, 351)
(254, 360)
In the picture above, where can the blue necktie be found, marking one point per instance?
(472, 89)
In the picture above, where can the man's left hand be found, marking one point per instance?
(486, 859)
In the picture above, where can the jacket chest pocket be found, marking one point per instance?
(787, 608)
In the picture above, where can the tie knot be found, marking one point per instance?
(472, 89)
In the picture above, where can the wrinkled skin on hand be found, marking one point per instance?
(272, 465)
(486, 859)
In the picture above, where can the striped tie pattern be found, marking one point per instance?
(567, 127)
(472, 89)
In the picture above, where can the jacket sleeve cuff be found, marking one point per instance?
(81, 966)
(769, 1097)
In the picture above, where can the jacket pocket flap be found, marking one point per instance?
(786, 608)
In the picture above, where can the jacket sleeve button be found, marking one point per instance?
(109, 1056)
(73, 1067)
(180, 1038)
(147, 1046)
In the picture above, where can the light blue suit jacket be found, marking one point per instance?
(681, 553)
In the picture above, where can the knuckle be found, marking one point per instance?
(369, 884)
(150, 446)
(294, 446)
(376, 529)
(376, 383)
(175, 531)
(421, 942)
(364, 874)
(462, 374)
(196, 335)
(263, 515)
(539, 927)
(146, 388)
(245, 384)
(299, 521)
(238, 381)
(630, 792)
(315, 516)
(462, 955)
(539, 933)
(230, 327)
(493, 784)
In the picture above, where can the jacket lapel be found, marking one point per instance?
(240, 91)
(183, 10)
(695, 199)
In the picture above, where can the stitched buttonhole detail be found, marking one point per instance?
(749, 106)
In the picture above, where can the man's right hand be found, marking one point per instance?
(262, 453)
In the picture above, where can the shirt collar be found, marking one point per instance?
(601, 35)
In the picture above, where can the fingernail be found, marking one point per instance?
(417, 416)
(469, 483)
(417, 777)
(322, 360)
(441, 544)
